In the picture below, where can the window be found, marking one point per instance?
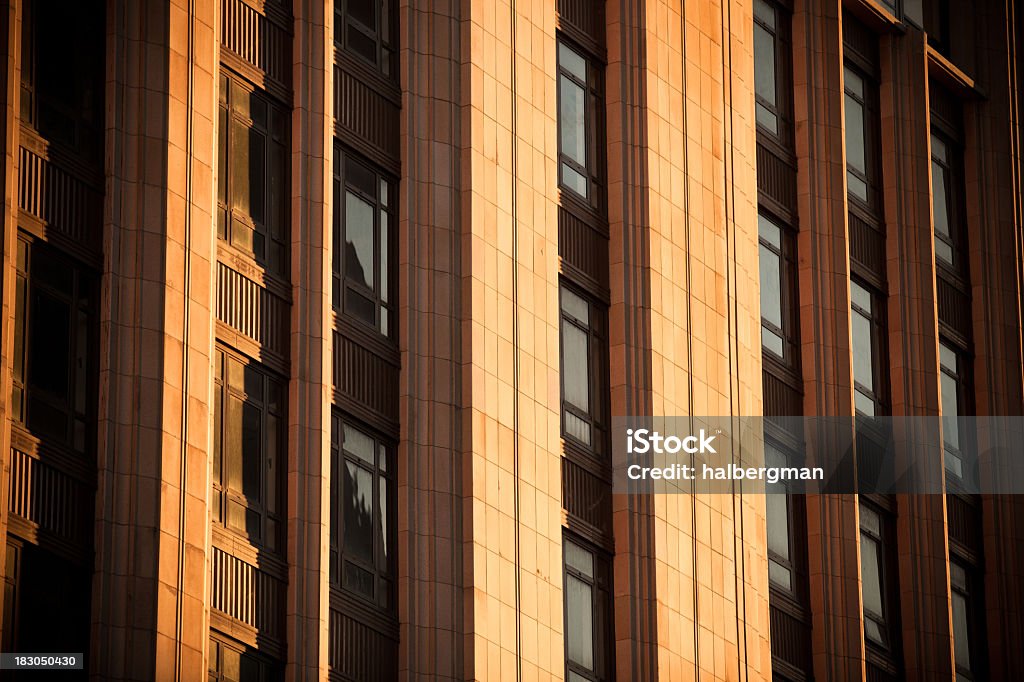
(771, 67)
(587, 622)
(62, 86)
(778, 289)
(52, 392)
(237, 663)
(954, 390)
(870, 379)
(861, 136)
(946, 209)
(579, 112)
(873, 576)
(367, 28)
(966, 622)
(584, 382)
(363, 272)
(250, 421)
(252, 187)
(780, 524)
(362, 513)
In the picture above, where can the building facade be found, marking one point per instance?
(315, 316)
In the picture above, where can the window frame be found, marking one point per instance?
(955, 199)
(233, 221)
(593, 122)
(870, 206)
(788, 293)
(385, 38)
(781, 42)
(271, 520)
(595, 331)
(384, 565)
(81, 303)
(385, 249)
(879, 394)
(268, 670)
(601, 610)
(884, 620)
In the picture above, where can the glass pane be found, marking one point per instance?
(950, 410)
(764, 12)
(273, 471)
(358, 495)
(362, 44)
(572, 62)
(358, 579)
(766, 119)
(862, 350)
(873, 631)
(853, 83)
(860, 296)
(764, 65)
(957, 576)
(575, 306)
(777, 512)
(572, 122)
(576, 427)
(961, 638)
(870, 521)
(233, 444)
(383, 256)
(863, 403)
(769, 231)
(856, 186)
(575, 367)
(579, 622)
(947, 358)
(579, 559)
(358, 240)
(239, 164)
(772, 341)
(81, 360)
(855, 156)
(574, 180)
(954, 464)
(871, 575)
(363, 11)
(780, 575)
(49, 349)
(360, 177)
(939, 150)
(940, 204)
(771, 286)
(359, 444)
(360, 306)
(382, 528)
(252, 452)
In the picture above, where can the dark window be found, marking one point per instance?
(874, 574)
(778, 289)
(250, 421)
(947, 207)
(968, 621)
(771, 68)
(955, 387)
(580, 127)
(587, 614)
(235, 662)
(252, 186)
(367, 28)
(362, 513)
(52, 390)
(364, 253)
(584, 383)
(936, 23)
(870, 377)
(779, 512)
(861, 136)
(62, 79)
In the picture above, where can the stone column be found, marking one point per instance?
(431, 475)
(913, 349)
(310, 386)
(837, 639)
(995, 206)
(10, 53)
(150, 617)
